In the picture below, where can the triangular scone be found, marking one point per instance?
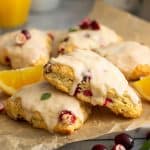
(93, 79)
(25, 48)
(47, 108)
(132, 58)
(88, 39)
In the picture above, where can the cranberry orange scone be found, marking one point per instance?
(47, 108)
(89, 35)
(132, 58)
(93, 79)
(25, 48)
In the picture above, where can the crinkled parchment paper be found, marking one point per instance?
(20, 135)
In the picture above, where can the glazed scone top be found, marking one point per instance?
(127, 55)
(104, 75)
(27, 53)
(50, 108)
(93, 39)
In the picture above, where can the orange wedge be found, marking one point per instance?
(143, 87)
(12, 80)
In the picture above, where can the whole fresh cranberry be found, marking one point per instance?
(94, 25)
(148, 136)
(126, 140)
(67, 117)
(99, 147)
(118, 147)
(26, 33)
(85, 24)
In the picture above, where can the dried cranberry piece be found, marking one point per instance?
(99, 147)
(67, 117)
(107, 101)
(26, 33)
(7, 59)
(66, 39)
(118, 147)
(94, 25)
(126, 140)
(61, 51)
(87, 93)
(85, 24)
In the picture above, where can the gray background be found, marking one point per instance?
(67, 14)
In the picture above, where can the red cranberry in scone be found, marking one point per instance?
(67, 117)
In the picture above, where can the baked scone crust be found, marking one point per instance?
(16, 110)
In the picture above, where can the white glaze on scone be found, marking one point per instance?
(50, 108)
(93, 39)
(127, 55)
(104, 75)
(29, 53)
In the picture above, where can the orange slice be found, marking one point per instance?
(12, 80)
(143, 87)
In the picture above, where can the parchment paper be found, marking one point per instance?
(21, 136)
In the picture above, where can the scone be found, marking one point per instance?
(25, 48)
(89, 35)
(45, 107)
(132, 58)
(93, 79)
